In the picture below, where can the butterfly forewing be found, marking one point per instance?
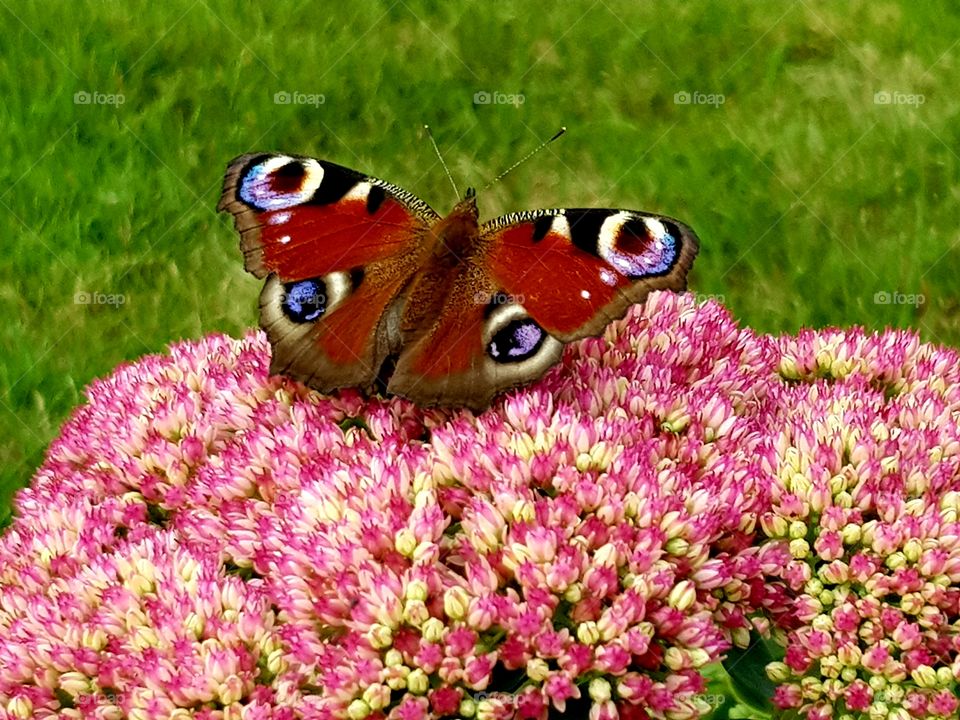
(300, 217)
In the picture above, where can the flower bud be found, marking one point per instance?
(416, 590)
(599, 690)
(538, 670)
(377, 696)
(380, 636)
(433, 630)
(393, 658)
(924, 676)
(799, 549)
(418, 682)
(415, 612)
(455, 603)
(20, 707)
(405, 542)
(588, 633)
(682, 596)
(778, 672)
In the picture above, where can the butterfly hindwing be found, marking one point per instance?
(336, 248)
(334, 331)
(481, 343)
(576, 270)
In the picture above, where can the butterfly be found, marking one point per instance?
(367, 286)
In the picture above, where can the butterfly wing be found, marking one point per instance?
(480, 344)
(337, 249)
(576, 270)
(300, 217)
(539, 280)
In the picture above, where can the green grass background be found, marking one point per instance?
(809, 197)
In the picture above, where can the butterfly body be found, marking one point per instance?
(449, 247)
(363, 278)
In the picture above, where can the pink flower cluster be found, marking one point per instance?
(207, 541)
(865, 517)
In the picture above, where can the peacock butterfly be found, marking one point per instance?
(363, 278)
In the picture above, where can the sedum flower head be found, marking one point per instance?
(204, 540)
(865, 521)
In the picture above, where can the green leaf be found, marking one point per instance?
(354, 422)
(719, 694)
(748, 677)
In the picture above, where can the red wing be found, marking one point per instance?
(576, 270)
(337, 248)
(333, 332)
(303, 218)
(479, 345)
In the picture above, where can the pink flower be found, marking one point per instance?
(866, 496)
(445, 701)
(560, 688)
(202, 535)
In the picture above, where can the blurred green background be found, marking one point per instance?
(812, 145)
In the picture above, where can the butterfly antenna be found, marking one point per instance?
(440, 157)
(526, 157)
